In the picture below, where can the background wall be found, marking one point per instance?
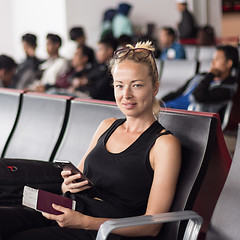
(6, 25)
(229, 26)
(58, 16)
(82, 12)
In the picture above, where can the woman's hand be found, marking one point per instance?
(71, 184)
(69, 218)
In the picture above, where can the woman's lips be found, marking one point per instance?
(129, 105)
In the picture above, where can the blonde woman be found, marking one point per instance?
(133, 162)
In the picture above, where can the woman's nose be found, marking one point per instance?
(127, 93)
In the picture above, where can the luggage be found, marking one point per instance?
(16, 173)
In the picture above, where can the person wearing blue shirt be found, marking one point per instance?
(211, 90)
(170, 49)
(121, 24)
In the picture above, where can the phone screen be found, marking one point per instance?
(68, 166)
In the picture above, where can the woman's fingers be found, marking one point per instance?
(66, 174)
(76, 190)
(73, 183)
(72, 178)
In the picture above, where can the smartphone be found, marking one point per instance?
(67, 165)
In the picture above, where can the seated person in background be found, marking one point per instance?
(7, 70)
(124, 40)
(133, 162)
(53, 67)
(206, 36)
(99, 78)
(27, 70)
(216, 86)
(81, 64)
(77, 36)
(170, 49)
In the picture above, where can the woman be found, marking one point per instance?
(134, 163)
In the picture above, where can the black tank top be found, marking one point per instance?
(123, 179)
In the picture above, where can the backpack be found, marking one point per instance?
(16, 173)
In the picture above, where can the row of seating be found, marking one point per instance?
(199, 53)
(174, 74)
(47, 127)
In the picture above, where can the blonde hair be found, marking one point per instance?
(148, 61)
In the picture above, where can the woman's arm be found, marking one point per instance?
(68, 183)
(165, 159)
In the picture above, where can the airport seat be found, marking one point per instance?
(234, 118)
(205, 53)
(214, 180)
(197, 144)
(175, 73)
(40, 124)
(223, 108)
(10, 101)
(204, 65)
(225, 221)
(191, 52)
(84, 118)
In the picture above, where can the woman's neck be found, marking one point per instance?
(138, 124)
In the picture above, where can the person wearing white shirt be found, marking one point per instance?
(54, 66)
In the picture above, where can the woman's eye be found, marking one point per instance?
(137, 85)
(118, 86)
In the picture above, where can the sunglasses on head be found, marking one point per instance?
(138, 52)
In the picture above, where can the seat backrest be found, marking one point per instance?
(205, 65)
(196, 133)
(214, 180)
(10, 101)
(40, 123)
(83, 121)
(223, 108)
(191, 52)
(225, 221)
(206, 53)
(175, 73)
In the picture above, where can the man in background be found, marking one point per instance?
(53, 67)
(170, 49)
(212, 89)
(27, 70)
(99, 78)
(121, 24)
(77, 37)
(7, 70)
(187, 27)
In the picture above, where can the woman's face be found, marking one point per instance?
(133, 88)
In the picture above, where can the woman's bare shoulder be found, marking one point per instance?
(105, 124)
(167, 145)
(167, 141)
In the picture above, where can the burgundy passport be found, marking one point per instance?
(42, 200)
